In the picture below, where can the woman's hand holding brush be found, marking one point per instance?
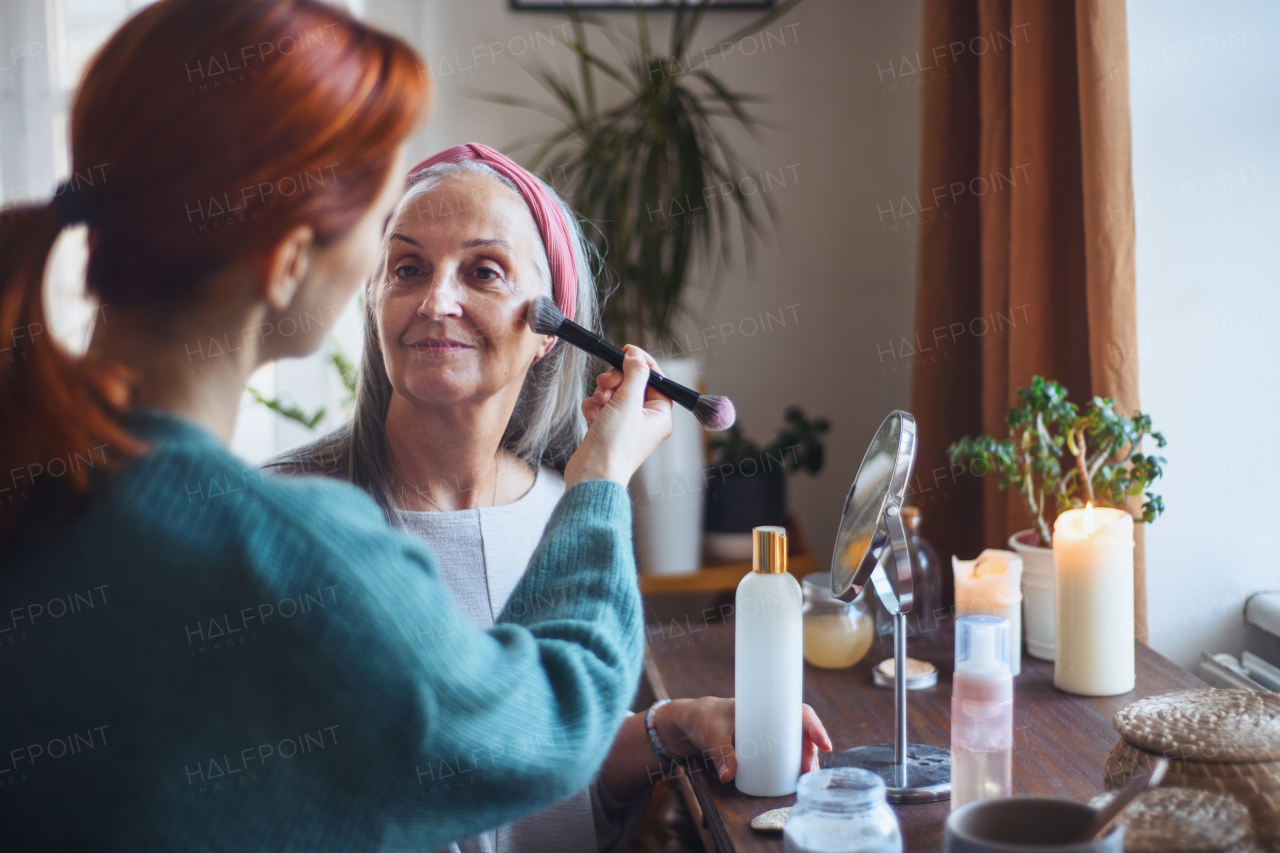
(628, 421)
(608, 382)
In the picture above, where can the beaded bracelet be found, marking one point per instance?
(655, 740)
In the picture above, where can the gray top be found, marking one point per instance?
(482, 555)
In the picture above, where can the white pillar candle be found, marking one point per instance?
(991, 585)
(1093, 601)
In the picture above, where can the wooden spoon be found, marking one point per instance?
(1106, 815)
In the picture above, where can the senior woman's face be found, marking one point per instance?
(462, 267)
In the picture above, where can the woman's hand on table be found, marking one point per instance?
(704, 727)
(628, 421)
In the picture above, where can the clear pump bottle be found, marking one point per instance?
(981, 711)
(768, 677)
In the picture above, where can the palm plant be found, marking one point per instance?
(640, 167)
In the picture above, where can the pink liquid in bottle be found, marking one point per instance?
(981, 711)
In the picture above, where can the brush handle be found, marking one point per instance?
(590, 342)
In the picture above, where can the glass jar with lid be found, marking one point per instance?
(836, 633)
(841, 810)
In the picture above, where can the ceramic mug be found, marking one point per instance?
(1025, 825)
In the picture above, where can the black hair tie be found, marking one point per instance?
(74, 205)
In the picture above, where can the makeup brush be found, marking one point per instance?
(714, 413)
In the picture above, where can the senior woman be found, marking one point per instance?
(461, 415)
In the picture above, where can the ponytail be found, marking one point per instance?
(59, 414)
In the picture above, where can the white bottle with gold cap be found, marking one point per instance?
(768, 670)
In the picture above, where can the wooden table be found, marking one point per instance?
(1060, 741)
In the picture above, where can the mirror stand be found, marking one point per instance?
(912, 772)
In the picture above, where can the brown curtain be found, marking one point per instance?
(1026, 237)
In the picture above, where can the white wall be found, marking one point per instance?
(1206, 134)
(847, 141)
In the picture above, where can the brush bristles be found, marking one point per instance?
(544, 317)
(714, 413)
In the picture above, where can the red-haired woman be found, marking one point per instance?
(195, 656)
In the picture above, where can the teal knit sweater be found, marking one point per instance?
(210, 658)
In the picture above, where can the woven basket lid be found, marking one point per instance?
(1211, 725)
(1178, 820)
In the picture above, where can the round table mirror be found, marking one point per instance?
(874, 503)
(871, 547)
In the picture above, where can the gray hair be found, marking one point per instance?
(546, 425)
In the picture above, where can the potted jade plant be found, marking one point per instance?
(1094, 455)
(746, 486)
(644, 131)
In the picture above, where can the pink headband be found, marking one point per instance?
(546, 214)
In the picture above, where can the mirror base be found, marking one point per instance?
(925, 778)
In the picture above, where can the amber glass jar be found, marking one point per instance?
(836, 633)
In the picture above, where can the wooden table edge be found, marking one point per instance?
(696, 796)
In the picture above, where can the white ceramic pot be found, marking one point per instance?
(728, 547)
(667, 491)
(1037, 593)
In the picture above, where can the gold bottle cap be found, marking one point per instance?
(769, 550)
